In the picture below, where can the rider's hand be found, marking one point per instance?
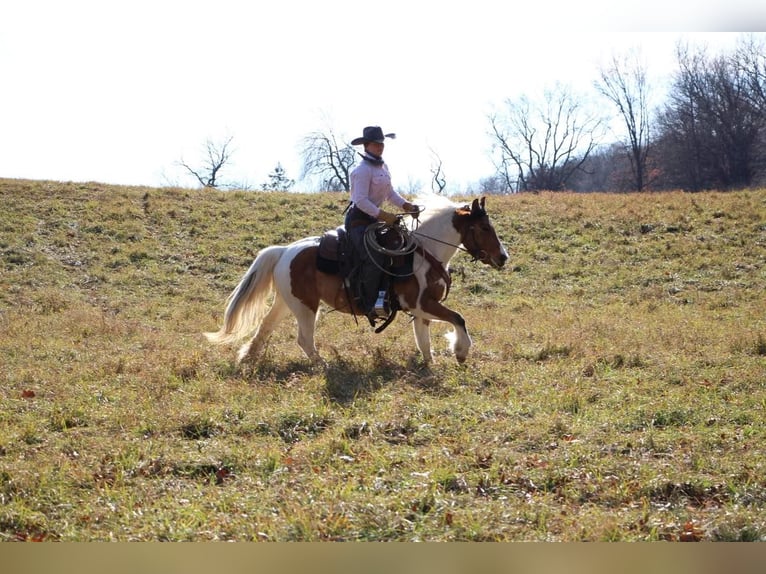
(411, 209)
(388, 218)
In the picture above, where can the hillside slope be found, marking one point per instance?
(615, 389)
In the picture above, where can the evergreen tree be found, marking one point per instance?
(278, 180)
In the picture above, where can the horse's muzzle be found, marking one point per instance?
(496, 262)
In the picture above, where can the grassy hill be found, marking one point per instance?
(616, 388)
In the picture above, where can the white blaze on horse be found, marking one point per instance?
(290, 271)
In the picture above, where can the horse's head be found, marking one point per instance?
(478, 236)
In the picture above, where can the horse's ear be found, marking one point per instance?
(477, 207)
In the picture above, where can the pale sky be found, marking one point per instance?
(119, 92)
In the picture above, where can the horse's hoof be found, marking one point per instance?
(319, 364)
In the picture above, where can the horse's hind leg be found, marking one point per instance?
(306, 324)
(253, 349)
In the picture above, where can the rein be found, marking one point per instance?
(475, 257)
(440, 241)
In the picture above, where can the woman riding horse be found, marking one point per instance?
(370, 187)
(291, 274)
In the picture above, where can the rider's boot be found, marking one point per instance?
(381, 308)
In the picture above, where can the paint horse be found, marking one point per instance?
(290, 271)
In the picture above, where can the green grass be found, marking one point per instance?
(615, 391)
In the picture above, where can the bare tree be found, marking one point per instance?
(624, 84)
(750, 59)
(607, 169)
(712, 128)
(438, 179)
(542, 146)
(494, 184)
(410, 187)
(217, 157)
(326, 157)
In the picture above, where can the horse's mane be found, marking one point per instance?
(434, 206)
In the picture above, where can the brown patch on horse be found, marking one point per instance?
(460, 213)
(434, 276)
(311, 285)
(407, 290)
(303, 276)
(468, 214)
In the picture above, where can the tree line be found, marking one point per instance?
(708, 133)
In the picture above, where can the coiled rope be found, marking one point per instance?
(372, 245)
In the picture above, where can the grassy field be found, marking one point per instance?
(616, 388)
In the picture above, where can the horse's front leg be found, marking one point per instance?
(422, 330)
(460, 341)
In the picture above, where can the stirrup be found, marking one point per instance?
(381, 307)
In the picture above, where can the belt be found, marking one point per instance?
(358, 217)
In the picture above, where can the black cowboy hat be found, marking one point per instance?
(372, 134)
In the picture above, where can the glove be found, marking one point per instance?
(388, 218)
(411, 209)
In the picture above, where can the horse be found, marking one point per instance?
(291, 273)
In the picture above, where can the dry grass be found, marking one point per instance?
(616, 389)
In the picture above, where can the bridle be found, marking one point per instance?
(475, 252)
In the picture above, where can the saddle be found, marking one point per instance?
(333, 249)
(337, 256)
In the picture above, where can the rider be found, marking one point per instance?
(370, 187)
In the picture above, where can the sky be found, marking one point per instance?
(120, 92)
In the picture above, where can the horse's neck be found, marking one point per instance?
(440, 238)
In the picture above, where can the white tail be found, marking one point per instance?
(247, 304)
